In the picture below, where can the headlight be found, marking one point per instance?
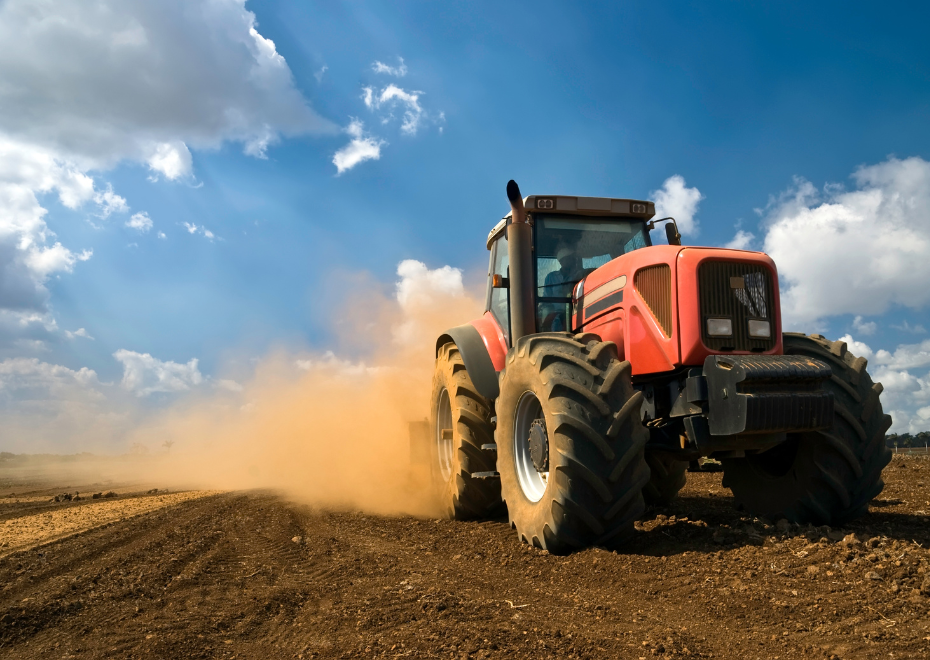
(720, 327)
(760, 329)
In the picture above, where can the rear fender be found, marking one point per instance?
(476, 357)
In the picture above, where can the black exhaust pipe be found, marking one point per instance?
(520, 253)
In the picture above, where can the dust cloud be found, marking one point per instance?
(324, 429)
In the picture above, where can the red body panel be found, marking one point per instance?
(493, 339)
(629, 322)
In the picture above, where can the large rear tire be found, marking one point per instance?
(460, 412)
(575, 398)
(822, 477)
(667, 478)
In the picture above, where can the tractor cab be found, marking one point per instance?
(572, 237)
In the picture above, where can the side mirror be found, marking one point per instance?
(671, 233)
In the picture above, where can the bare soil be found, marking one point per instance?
(250, 575)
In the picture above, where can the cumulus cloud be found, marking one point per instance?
(906, 395)
(675, 199)
(80, 332)
(171, 159)
(400, 70)
(393, 96)
(140, 221)
(853, 252)
(422, 286)
(741, 241)
(28, 253)
(359, 149)
(866, 328)
(906, 356)
(108, 201)
(84, 87)
(144, 375)
(196, 229)
(141, 80)
(421, 290)
(18, 374)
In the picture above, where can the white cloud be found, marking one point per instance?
(359, 149)
(144, 374)
(161, 234)
(319, 74)
(80, 332)
(425, 293)
(137, 80)
(172, 159)
(904, 394)
(20, 373)
(400, 70)
(860, 349)
(393, 95)
(197, 229)
(741, 241)
(47, 260)
(84, 87)
(856, 252)
(109, 202)
(420, 286)
(867, 328)
(28, 254)
(917, 329)
(675, 199)
(140, 221)
(906, 356)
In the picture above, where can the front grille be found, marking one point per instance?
(654, 284)
(740, 292)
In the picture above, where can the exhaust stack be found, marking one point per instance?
(520, 253)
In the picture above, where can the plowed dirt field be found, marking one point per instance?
(250, 575)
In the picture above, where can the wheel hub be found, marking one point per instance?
(539, 445)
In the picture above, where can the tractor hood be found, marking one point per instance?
(670, 306)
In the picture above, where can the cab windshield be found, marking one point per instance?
(567, 249)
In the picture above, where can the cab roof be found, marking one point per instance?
(603, 207)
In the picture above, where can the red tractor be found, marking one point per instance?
(604, 364)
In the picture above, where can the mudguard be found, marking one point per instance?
(475, 356)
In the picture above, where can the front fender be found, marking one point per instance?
(475, 356)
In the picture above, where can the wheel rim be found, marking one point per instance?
(444, 450)
(532, 482)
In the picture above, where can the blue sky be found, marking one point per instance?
(765, 111)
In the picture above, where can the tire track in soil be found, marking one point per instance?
(221, 577)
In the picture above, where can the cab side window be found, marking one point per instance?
(498, 301)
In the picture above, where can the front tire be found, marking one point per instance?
(667, 478)
(822, 477)
(576, 398)
(460, 424)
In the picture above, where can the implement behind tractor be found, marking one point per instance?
(604, 364)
